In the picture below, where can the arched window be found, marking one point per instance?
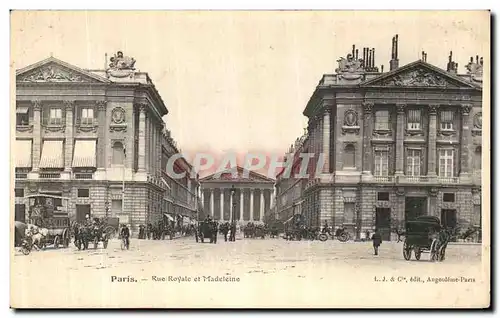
(118, 153)
(477, 158)
(349, 155)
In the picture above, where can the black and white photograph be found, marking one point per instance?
(250, 159)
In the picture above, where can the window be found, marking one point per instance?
(118, 153)
(477, 158)
(55, 116)
(382, 120)
(22, 117)
(349, 156)
(383, 196)
(414, 119)
(116, 207)
(413, 163)
(349, 215)
(381, 163)
(447, 117)
(446, 163)
(83, 193)
(87, 116)
(448, 197)
(19, 193)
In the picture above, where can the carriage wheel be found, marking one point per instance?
(406, 251)
(66, 242)
(25, 250)
(56, 241)
(323, 237)
(418, 253)
(343, 237)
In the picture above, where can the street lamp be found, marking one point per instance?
(232, 216)
(106, 208)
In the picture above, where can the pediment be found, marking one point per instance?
(54, 70)
(237, 175)
(419, 74)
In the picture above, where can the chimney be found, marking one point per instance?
(477, 59)
(365, 57)
(373, 57)
(425, 56)
(369, 59)
(353, 50)
(356, 54)
(394, 62)
(449, 65)
(382, 68)
(481, 61)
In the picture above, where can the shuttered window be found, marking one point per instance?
(414, 119)
(87, 116)
(55, 116)
(447, 118)
(382, 120)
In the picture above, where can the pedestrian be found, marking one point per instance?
(377, 240)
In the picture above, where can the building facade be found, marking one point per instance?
(96, 139)
(234, 195)
(397, 144)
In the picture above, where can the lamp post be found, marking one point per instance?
(232, 217)
(106, 208)
(123, 180)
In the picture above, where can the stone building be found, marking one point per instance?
(398, 144)
(234, 195)
(96, 139)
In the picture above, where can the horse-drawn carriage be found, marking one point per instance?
(207, 229)
(425, 235)
(52, 223)
(252, 230)
(294, 228)
(100, 230)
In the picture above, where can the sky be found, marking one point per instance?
(239, 81)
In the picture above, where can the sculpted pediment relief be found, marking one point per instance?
(53, 70)
(418, 74)
(237, 176)
(53, 73)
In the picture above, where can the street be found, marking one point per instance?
(303, 273)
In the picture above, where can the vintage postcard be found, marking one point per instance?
(250, 159)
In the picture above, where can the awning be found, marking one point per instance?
(52, 154)
(22, 110)
(23, 154)
(169, 216)
(85, 154)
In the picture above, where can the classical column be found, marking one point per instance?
(37, 142)
(326, 139)
(101, 134)
(400, 131)
(212, 205)
(431, 157)
(222, 204)
(367, 132)
(231, 210)
(464, 147)
(241, 204)
(261, 216)
(68, 144)
(251, 205)
(142, 138)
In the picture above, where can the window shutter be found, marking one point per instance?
(447, 116)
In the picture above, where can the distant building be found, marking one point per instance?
(399, 144)
(84, 134)
(232, 195)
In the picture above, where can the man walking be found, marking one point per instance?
(377, 240)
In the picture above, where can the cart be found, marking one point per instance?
(425, 235)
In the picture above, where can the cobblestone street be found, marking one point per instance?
(300, 271)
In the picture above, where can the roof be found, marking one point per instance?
(243, 175)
